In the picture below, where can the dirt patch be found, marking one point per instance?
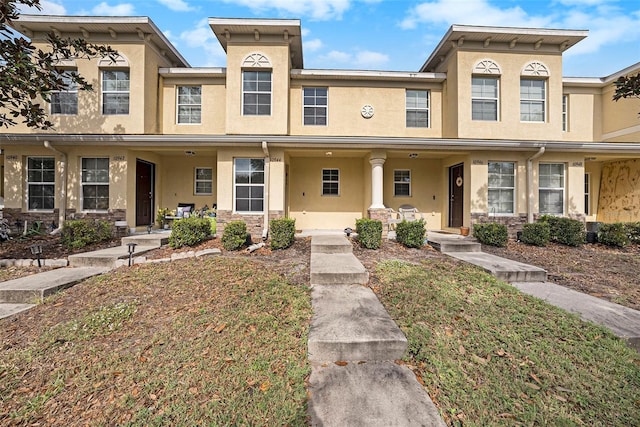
(52, 247)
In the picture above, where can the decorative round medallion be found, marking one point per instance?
(459, 181)
(366, 111)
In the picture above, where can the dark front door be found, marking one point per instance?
(456, 195)
(144, 192)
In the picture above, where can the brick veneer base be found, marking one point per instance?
(513, 223)
(255, 223)
(48, 218)
(383, 216)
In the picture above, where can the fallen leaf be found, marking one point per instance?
(265, 386)
(479, 359)
(560, 398)
(532, 386)
(153, 396)
(193, 390)
(462, 350)
(220, 328)
(341, 363)
(535, 378)
(501, 353)
(506, 415)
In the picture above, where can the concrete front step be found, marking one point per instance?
(106, 257)
(449, 246)
(372, 394)
(337, 269)
(32, 289)
(503, 269)
(153, 239)
(7, 309)
(349, 323)
(331, 244)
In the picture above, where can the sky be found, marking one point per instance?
(394, 35)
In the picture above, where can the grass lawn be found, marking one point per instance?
(216, 341)
(490, 355)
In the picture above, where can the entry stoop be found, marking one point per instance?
(330, 244)
(337, 269)
(349, 323)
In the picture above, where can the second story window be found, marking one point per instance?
(115, 92)
(484, 98)
(256, 93)
(532, 100)
(417, 108)
(315, 105)
(65, 101)
(189, 104)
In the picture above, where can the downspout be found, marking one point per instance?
(530, 183)
(63, 190)
(267, 178)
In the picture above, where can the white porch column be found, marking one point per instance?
(377, 161)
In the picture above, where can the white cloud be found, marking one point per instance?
(49, 7)
(177, 5)
(313, 45)
(364, 59)
(122, 9)
(210, 53)
(476, 12)
(604, 30)
(316, 9)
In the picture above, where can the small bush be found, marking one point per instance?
(369, 232)
(78, 233)
(633, 232)
(189, 232)
(492, 234)
(565, 231)
(212, 224)
(411, 233)
(613, 235)
(234, 235)
(283, 232)
(536, 234)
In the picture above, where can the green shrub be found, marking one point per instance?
(283, 232)
(369, 232)
(411, 233)
(234, 235)
(566, 231)
(189, 232)
(492, 234)
(78, 233)
(633, 232)
(212, 224)
(536, 234)
(613, 234)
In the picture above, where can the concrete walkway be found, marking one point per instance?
(352, 347)
(622, 321)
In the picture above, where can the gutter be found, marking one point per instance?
(530, 183)
(267, 178)
(63, 190)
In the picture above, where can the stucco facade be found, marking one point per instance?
(487, 130)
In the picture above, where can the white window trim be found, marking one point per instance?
(497, 78)
(564, 187)
(514, 188)
(323, 181)
(544, 101)
(401, 182)
(326, 107)
(103, 92)
(248, 184)
(587, 193)
(427, 109)
(65, 91)
(82, 184)
(270, 71)
(196, 180)
(565, 112)
(26, 190)
(187, 105)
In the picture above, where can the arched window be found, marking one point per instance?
(533, 92)
(487, 66)
(535, 69)
(256, 85)
(256, 60)
(485, 90)
(115, 84)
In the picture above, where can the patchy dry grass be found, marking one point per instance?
(490, 355)
(216, 342)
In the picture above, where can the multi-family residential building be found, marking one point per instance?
(488, 129)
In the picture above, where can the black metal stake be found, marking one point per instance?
(132, 248)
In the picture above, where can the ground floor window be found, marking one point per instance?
(204, 181)
(501, 187)
(95, 183)
(41, 178)
(402, 183)
(587, 194)
(551, 188)
(330, 182)
(249, 185)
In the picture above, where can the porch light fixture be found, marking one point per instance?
(132, 248)
(413, 155)
(328, 154)
(37, 251)
(189, 153)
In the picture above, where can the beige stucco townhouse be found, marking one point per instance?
(487, 130)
